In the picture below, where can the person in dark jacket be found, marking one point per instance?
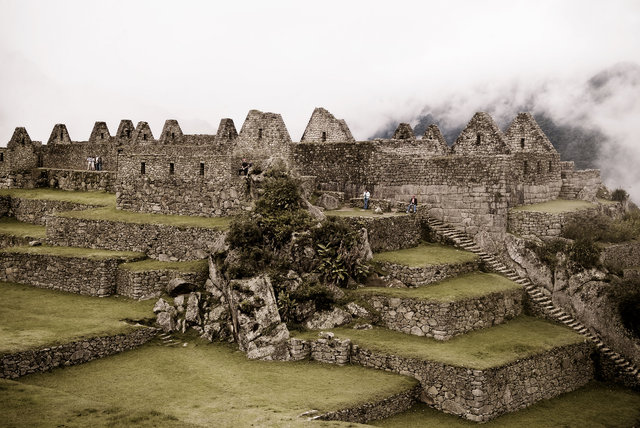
(413, 205)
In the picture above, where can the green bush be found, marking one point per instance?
(584, 253)
(619, 195)
(604, 229)
(548, 252)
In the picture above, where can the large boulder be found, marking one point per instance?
(328, 202)
(325, 320)
(178, 286)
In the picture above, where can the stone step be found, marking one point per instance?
(449, 308)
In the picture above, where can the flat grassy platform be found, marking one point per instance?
(201, 384)
(596, 405)
(426, 254)
(11, 226)
(556, 206)
(86, 198)
(84, 253)
(150, 264)
(459, 288)
(113, 214)
(32, 318)
(481, 349)
(357, 212)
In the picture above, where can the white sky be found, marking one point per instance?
(77, 62)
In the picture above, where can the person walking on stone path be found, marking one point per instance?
(413, 205)
(366, 195)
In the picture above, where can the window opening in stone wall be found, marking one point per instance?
(173, 135)
(61, 134)
(144, 137)
(478, 139)
(260, 133)
(40, 161)
(522, 142)
(1, 157)
(324, 136)
(201, 168)
(550, 166)
(128, 133)
(539, 167)
(230, 135)
(143, 169)
(172, 168)
(526, 168)
(102, 135)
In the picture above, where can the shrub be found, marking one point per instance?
(548, 252)
(604, 229)
(619, 195)
(584, 253)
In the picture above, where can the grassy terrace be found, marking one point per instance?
(150, 264)
(595, 405)
(201, 384)
(556, 206)
(85, 253)
(33, 318)
(481, 349)
(357, 212)
(426, 255)
(113, 214)
(13, 227)
(87, 198)
(458, 288)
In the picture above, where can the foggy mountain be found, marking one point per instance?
(593, 122)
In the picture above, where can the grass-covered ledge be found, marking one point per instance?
(481, 349)
(12, 227)
(426, 254)
(151, 264)
(115, 215)
(32, 318)
(557, 206)
(356, 212)
(463, 287)
(75, 252)
(85, 198)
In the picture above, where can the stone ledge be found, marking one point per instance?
(417, 276)
(152, 283)
(22, 363)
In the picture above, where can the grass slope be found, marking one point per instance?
(357, 212)
(595, 405)
(458, 288)
(481, 349)
(87, 198)
(556, 206)
(206, 384)
(113, 214)
(85, 253)
(13, 227)
(33, 318)
(426, 255)
(150, 264)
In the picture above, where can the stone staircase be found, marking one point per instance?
(536, 294)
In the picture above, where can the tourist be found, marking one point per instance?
(98, 163)
(244, 169)
(366, 195)
(88, 163)
(413, 205)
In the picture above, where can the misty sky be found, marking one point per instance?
(77, 62)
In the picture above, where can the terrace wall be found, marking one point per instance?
(158, 241)
(443, 320)
(152, 283)
(67, 179)
(390, 233)
(416, 276)
(15, 365)
(71, 274)
(35, 210)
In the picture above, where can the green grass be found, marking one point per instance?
(85, 253)
(426, 255)
(596, 405)
(459, 288)
(86, 198)
(150, 264)
(34, 318)
(481, 349)
(13, 227)
(202, 384)
(113, 214)
(357, 212)
(556, 206)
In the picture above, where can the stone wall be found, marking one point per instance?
(67, 179)
(158, 241)
(416, 276)
(152, 283)
(36, 210)
(389, 233)
(482, 395)
(623, 255)
(71, 274)
(443, 320)
(22, 363)
(371, 411)
(582, 184)
(74, 155)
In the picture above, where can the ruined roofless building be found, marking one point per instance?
(470, 184)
